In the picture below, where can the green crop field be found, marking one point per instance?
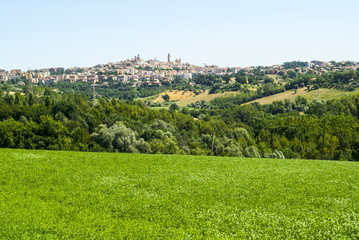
(76, 195)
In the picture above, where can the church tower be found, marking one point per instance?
(169, 58)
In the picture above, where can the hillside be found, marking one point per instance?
(325, 94)
(78, 195)
(183, 98)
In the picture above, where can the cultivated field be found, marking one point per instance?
(325, 94)
(183, 98)
(50, 195)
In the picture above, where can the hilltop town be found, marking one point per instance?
(137, 71)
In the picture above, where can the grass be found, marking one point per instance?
(328, 94)
(159, 108)
(150, 98)
(325, 94)
(51, 195)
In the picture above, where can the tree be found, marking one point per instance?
(166, 97)
(52, 134)
(214, 88)
(119, 138)
(19, 100)
(241, 79)
(165, 146)
(355, 153)
(174, 107)
(292, 74)
(268, 80)
(252, 152)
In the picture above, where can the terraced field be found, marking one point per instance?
(77, 195)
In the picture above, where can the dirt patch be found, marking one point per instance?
(183, 98)
(175, 95)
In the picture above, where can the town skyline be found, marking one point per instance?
(173, 59)
(137, 71)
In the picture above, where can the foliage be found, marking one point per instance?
(166, 97)
(222, 127)
(295, 64)
(119, 138)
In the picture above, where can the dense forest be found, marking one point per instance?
(279, 130)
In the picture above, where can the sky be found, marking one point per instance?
(39, 34)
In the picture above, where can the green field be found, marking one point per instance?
(50, 195)
(325, 94)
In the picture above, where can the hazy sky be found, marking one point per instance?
(40, 34)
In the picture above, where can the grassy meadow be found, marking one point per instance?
(325, 94)
(78, 195)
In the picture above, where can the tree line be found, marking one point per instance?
(278, 130)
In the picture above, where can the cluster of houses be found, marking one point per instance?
(133, 71)
(136, 72)
(316, 67)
